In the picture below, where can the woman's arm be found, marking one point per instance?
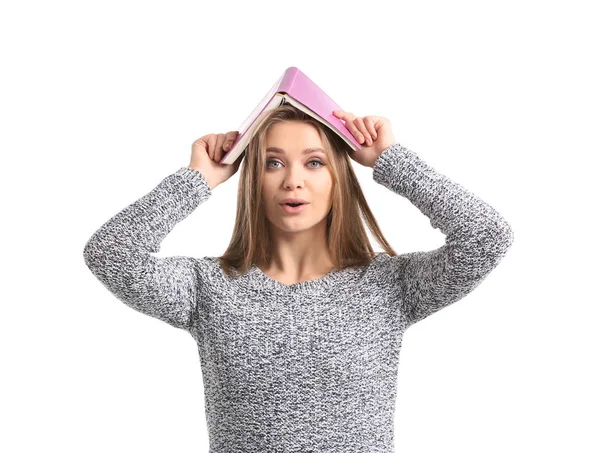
(477, 236)
(119, 252)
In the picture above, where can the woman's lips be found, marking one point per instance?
(293, 210)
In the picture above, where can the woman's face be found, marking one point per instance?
(291, 174)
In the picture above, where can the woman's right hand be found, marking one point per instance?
(208, 151)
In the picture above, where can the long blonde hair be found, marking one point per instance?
(346, 236)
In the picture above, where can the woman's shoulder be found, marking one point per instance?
(209, 268)
(212, 269)
(383, 265)
(380, 259)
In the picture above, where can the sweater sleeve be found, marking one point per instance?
(477, 236)
(119, 252)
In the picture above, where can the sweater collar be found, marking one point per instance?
(257, 279)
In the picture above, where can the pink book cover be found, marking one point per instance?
(295, 88)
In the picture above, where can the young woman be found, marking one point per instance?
(299, 323)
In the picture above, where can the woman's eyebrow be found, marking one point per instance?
(276, 150)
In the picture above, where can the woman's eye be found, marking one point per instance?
(312, 161)
(318, 162)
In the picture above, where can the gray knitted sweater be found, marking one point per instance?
(312, 366)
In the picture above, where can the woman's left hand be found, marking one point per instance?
(374, 133)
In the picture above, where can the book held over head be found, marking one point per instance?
(295, 88)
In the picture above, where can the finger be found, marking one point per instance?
(198, 142)
(370, 124)
(219, 147)
(348, 122)
(212, 141)
(364, 134)
(341, 114)
(230, 138)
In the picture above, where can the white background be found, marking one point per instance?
(101, 100)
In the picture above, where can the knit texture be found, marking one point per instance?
(312, 366)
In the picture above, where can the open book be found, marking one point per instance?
(294, 88)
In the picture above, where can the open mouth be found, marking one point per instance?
(293, 208)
